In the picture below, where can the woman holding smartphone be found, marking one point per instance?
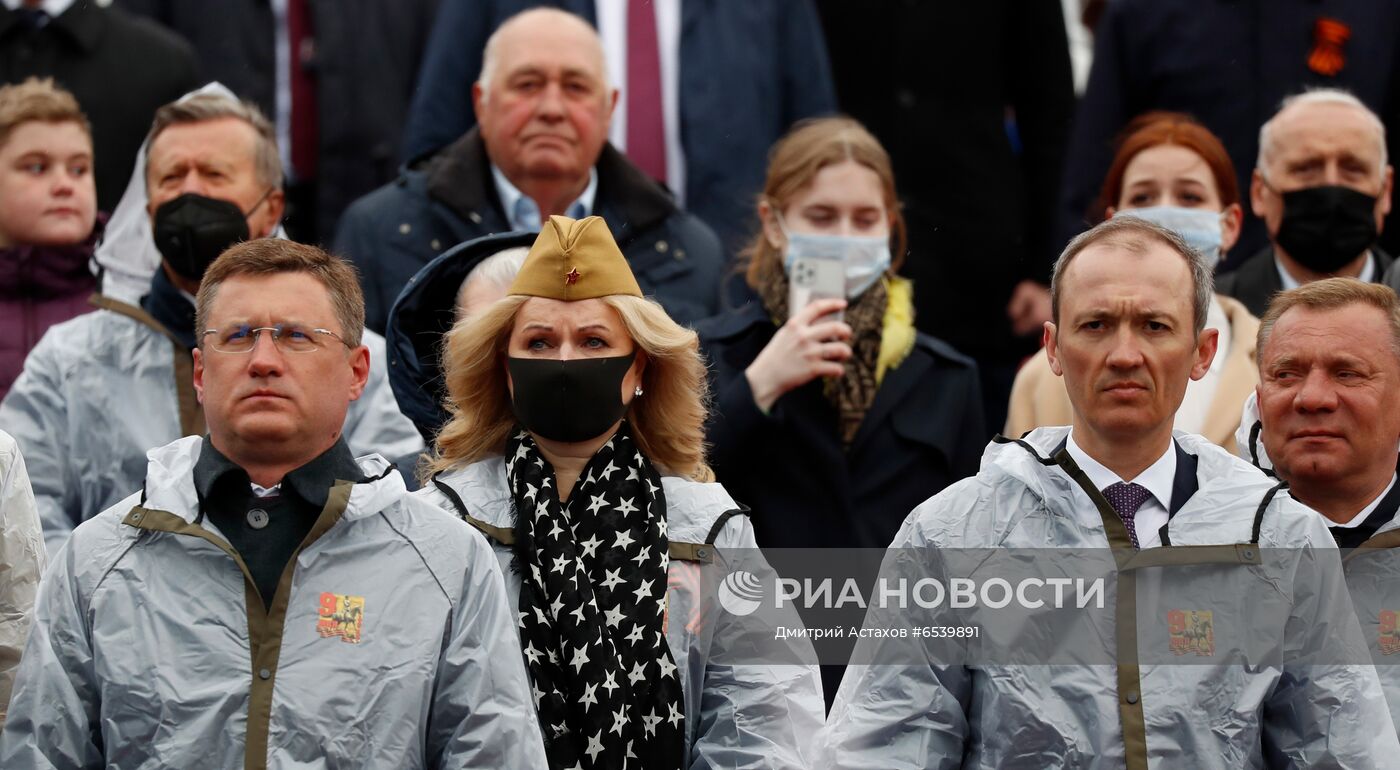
(833, 420)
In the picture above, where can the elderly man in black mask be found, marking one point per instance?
(1322, 186)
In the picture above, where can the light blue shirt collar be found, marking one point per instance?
(522, 212)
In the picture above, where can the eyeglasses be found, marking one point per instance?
(289, 338)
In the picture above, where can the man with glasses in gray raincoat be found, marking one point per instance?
(1252, 568)
(266, 600)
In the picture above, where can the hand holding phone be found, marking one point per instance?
(813, 343)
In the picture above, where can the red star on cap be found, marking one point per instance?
(572, 277)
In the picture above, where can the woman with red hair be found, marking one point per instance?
(1171, 170)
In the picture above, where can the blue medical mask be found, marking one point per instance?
(864, 258)
(1200, 228)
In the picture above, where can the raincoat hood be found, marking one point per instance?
(426, 310)
(127, 256)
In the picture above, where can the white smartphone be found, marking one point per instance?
(814, 278)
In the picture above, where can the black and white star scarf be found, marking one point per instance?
(592, 608)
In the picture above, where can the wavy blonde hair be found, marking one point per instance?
(667, 421)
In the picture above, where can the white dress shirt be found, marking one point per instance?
(1157, 479)
(1368, 272)
(612, 27)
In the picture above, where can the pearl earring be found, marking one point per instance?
(639, 391)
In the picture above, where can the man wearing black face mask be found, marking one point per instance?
(99, 391)
(1322, 186)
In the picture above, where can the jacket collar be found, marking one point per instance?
(1184, 481)
(168, 305)
(691, 506)
(170, 486)
(459, 177)
(1226, 485)
(1381, 518)
(311, 482)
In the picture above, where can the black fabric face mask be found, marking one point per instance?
(1326, 227)
(191, 231)
(568, 401)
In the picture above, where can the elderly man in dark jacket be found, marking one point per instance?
(743, 73)
(545, 107)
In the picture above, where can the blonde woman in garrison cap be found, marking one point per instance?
(579, 405)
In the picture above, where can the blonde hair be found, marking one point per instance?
(1332, 294)
(668, 421)
(795, 161)
(40, 100)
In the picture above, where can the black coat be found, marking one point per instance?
(394, 231)
(365, 64)
(120, 68)
(923, 432)
(934, 81)
(1256, 281)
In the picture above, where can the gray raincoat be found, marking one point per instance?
(1373, 572)
(21, 562)
(1198, 715)
(388, 643)
(738, 716)
(101, 389)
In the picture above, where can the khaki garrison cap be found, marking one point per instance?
(575, 259)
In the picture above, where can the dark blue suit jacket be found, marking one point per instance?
(397, 229)
(748, 71)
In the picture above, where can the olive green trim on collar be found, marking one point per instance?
(265, 626)
(1379, 542)
(503, 535)
(1113, 526)
(697, 552)
(133, 312)
(1192, 555)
